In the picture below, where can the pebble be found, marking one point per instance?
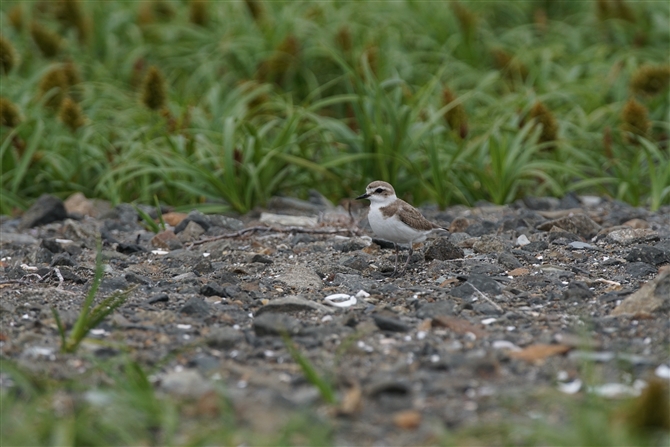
(274, 324)
(45, 210)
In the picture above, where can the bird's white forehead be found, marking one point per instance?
(386, 187)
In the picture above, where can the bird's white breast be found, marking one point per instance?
(392, 228)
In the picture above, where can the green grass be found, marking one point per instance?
(335, 94)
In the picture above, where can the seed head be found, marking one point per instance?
(15, 16)
(509, 65)
(9, 113)
(47, 41)
(455, 116)
(55, 83)
(542, 115)
(466, 19)
(7, 56)
(343, 39)
(153, 89)
(71, 15)
(256, 9)
(71, 114)
(198, 12)
(650, 80)
(635, 119)
(650, 412)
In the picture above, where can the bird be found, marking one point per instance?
(395, 220)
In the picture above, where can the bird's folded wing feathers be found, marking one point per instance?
(412, 217)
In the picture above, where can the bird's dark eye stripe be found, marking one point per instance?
(379, 190)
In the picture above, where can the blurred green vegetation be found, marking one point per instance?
(220, 105)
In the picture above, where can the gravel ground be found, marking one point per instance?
(513, 301)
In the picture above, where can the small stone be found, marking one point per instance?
(509, 261)
(228, 223)
(459, 225)
(627, 236)
(431, 310)
(640, 269)
(441, 249)
(186, 383)
(293, 304)
(580, 224)
(212, 289)
(45, 210)
(481, 228)
(522, 240)
(62, 259)
(224, 338)
(577, 245)
(350, 245)
(289, 221)
(113, 284)
(261, 259)
(274, 324)
(191, 232)
(356, 262)
(653, 297)
(390, 324)
(196, 217)
(195, 307)
(577, 290)
(407, 420)
(483, 283)
(648, 254)
(539, 352)
(535, 246)
(490, 244)
(301, 278)
(160, 298)
(165, 240)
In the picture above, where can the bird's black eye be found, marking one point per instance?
(379, 190)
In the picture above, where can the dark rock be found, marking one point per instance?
(441, 249)
(160, 298)
(535, 247)
(390, 324)
(351, 245)
(639, 269)
(224, 338)
(486, 308)
(292, 304)
(652, 298)
(228, 223)
(52, 245)
(69, 275)
(195, 307)
(194, 216)
(112, 284)
(553, 236)
(45, 210)
(129, 248)
(577, 290)
(123, 217)
(261, 259)
(541, 203)
(481, 228)
(569, 201)
(212, 289)
(484, 268)
(580, 224)
(430, 310)
(356, 262)
(385, 245)
(63, 259)
(385, 384)
(275, 324)
(483, 283)
(134, 278)
(664, 246)
(648, 254)
(302, 238)
(509, 261)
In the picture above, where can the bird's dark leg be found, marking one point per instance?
(395, 267)
(409, 255)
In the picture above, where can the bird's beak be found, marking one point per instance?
(363, 196)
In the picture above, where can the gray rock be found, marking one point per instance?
(580, 224)
(577, 245)
(481, 228)
(212, 289)
(350, 245)
(509, 261)
(224, 338)
(356, 262)
(17, 239)
(160, 298)
(577, 290)
(639, 269)
(261, 259)
(353, 283)
(122, 217)
(292, 304)
(45, 210)
(391, 324)
(490, 244)
(195, 307)
(274, 324)
(186, 383)
(441, 249)
(541, 203)
(229, 223)
(191, 232)
(62, 259)
(430, 310)
(483, 283)
(648, 254)
(113, 284)
(627, 236)
(484, 268)
(535, 246)
(194, 216)
(301, 278)
(486, 308)
(653, 297)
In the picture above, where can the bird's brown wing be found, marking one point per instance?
(413, 217)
